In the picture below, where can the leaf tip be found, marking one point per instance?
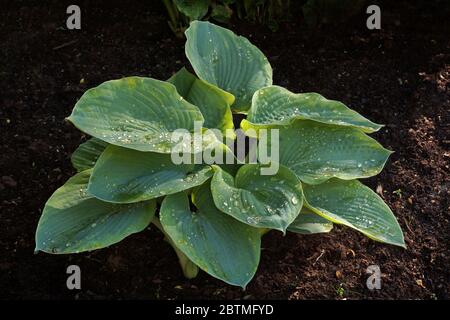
(283, 230)
(375, 127)
(38, 247)
(402, 243)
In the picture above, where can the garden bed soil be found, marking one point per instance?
(398, 76)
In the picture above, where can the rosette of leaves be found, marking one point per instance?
(214, 215)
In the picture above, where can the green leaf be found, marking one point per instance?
(261, 201)
(74, 221)
(213, 102)
(124, 176)
(317, 152)
(353, 204)
(221, 13)
(194, 9)
(278, 106)
(307, 222)
(218, 244)
(228, 61)
(85, 156)
(135, 112)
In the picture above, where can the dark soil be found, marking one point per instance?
(398, 76)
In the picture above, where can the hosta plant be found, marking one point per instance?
(214, 215)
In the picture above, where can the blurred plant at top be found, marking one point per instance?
(317, 12)
(267, 12)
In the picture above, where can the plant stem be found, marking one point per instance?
(190, 269)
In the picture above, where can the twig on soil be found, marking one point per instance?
(318, 257)
(65, 44)
(407, 226)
